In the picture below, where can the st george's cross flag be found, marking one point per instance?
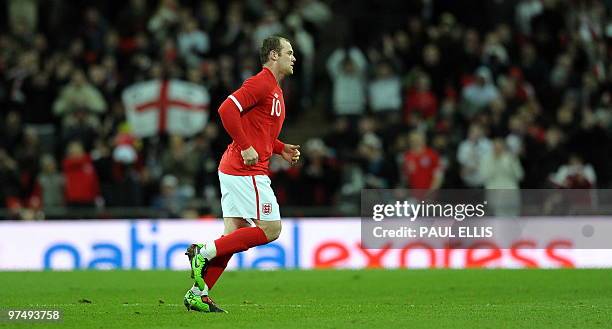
(173, 106)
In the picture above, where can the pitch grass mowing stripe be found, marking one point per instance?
(320, 299)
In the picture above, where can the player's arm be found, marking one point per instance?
(230, 117)
(289, 152)
(278, 147)
(241, 102)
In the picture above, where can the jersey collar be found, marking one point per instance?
(265, 69)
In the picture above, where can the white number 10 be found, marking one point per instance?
(276, 108)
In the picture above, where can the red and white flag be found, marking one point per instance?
(172, 106)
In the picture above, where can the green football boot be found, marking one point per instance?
(201, 303)
(195, 303)
(198, 265)
(212, 306)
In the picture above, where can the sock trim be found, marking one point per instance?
(256, 196)
(199, 292)
(209, 250)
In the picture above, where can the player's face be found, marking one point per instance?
(286, 60)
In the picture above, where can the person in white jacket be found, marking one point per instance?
(470, 154)
(79, 98)
(501, 172)
(347, 69)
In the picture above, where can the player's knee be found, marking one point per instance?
(274, 234)
(272, 230)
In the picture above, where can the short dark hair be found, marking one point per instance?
(269, 44)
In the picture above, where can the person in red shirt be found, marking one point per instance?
(420, 99)
(422, 169)
(82, 185)
(253, 116)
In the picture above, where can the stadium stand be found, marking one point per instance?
(439, 94)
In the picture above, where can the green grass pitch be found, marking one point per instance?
(378, 299)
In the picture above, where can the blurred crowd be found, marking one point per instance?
(422, 94)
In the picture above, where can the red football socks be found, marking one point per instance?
(215, 269)
(227, 245)
(240, 240)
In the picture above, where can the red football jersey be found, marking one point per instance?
(262, 113)
(420, 168)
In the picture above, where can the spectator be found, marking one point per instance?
(268, 25)
(233, 33)
(470, 154)
(206, 179)
(377, 171)
(102, 159)
(435, 68)
(82, 187)
(171, 202)
(342, 138)
(94, 33)
(470, 55)
(515, 141)
(27, 156)
(51, 183)
(307, 51)
(501, 172)
(165, 20)
(126, 177)
(347, 70)
(562, 73)
(9, 183)
(77, 98)
(525, 11)
(580, 179)
(131, 20)
(535, 69)
(547, 157)
(480, 93)
(420, 99)
(575, 174)
(29, 89)
(319, 175)
(421, 166)
(315, 12)
(193, 43)
(208, 15)
(103, 80)
(385, 91)
(82, 128)
(181, 163)
(12, 132)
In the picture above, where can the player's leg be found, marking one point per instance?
(239, 239)
(230, 198)
(271, 228)
(197, 299)
(234, 223)
(251, 197)
(241, 197)
(218, 264)
(269, 220)
(238, 195)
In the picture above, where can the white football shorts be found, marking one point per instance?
(249, 197)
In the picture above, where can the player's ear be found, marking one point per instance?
(274, 54)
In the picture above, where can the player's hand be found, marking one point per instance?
(291, 153)
(250, 156)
